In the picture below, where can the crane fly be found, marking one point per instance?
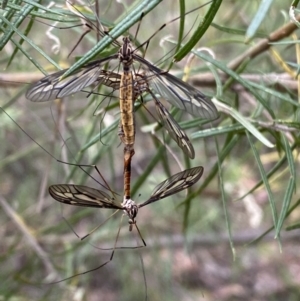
(148, 78)
(84, 196)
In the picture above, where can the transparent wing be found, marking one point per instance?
(178, 93)
(175, 130)
(174, 184)
(52, 87)
(84, 196)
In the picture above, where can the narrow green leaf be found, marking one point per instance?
(278, 165)
(291, 185)
(228, 146)
(224, 201)
(286, 204)
(181, 25)
(258, 18)
(26, 32)
(289, 155)
(242, 120)
(31, 43)
(35, 63)
(13, 26)
(264, 179)
(231, 128)
(199, 32)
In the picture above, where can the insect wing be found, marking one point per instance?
(175, 130)
(52, 87)
(84, 196)
(179, 93)
(174, 184)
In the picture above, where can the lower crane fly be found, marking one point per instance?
(84, 196)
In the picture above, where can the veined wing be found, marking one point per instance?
(84, 196)
(174, 184)
(178, 93)
(174, 130)
(52, 87)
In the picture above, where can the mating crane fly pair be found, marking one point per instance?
(149, 79)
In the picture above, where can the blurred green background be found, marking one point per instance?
(214, 243)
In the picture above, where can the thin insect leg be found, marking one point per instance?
(148, 111)
(168, 55)
(43, 187)
(77, 12)
(140, 235)
(177, 48)
(105, 80)
(98, 267)
(98, 27)
(103, 115)
(90, 27)
(58, 160)
(96, 168)
(143, 267)
(96, 228)
(118, 248)
(103, 179)
(144, 275)
(80, 39)
(70, 227)
(159, 125)
(98, 24)
(171, 21)
(110, 95)
(106, 186)
(139, 25)
(147, 45)
(124, 248)
(60, 128)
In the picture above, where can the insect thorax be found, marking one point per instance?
(130, 209)
(125, 54)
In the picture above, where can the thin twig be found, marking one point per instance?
(264, 44)
(30, 239)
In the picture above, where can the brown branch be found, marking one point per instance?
(264, 44)
(17, 79)
(279, 80)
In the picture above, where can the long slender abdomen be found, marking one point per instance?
(127, 132)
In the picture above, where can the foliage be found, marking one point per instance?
(248, 63)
